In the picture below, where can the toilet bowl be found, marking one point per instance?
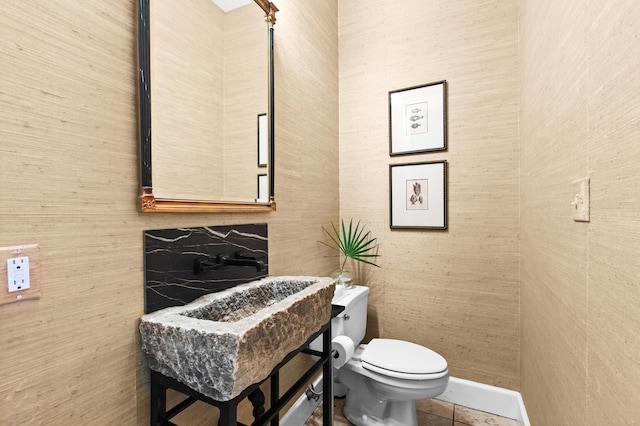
(382, 379)
(386, 377)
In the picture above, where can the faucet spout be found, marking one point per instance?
(227, 260)
(222, 261)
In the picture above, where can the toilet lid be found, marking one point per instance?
(398, 358)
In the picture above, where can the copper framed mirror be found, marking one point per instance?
(205, 79)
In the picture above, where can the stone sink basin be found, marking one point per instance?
(223, 342)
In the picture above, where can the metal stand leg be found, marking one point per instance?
(158, 403)
(228, 415)
(275, 395)
(327, 381)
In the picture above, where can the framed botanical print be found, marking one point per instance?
(418, 195)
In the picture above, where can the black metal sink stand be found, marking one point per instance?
(228, 409)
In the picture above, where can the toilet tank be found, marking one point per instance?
(353, 320)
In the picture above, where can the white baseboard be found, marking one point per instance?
(491, 399)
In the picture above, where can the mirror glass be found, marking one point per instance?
(208, 142)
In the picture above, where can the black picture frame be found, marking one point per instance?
(418, 119)
(418, 195)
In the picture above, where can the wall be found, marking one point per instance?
(69, 153)
(456, 292)
(580, 109)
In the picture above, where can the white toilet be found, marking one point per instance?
(384, 378)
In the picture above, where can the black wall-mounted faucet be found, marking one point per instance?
(222, 261)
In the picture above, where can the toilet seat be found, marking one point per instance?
(403, 360)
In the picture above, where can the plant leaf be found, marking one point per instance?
(353, 242)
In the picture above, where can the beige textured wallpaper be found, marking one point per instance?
(69, 182)
(456, 292)
(580, 113)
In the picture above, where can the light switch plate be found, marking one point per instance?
(580, 202)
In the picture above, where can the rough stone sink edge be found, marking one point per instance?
(219, 358)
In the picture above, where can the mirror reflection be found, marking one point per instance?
(208, 98)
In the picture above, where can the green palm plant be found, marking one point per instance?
(353, 243)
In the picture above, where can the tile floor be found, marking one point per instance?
(431, 412)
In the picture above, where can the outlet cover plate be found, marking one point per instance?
(32, 251)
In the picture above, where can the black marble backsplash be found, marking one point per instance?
(170, 255)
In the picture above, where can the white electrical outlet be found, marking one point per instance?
(18, 273)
